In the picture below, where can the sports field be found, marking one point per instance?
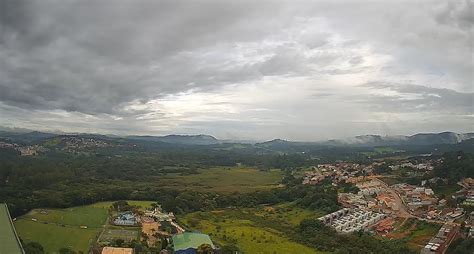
(58, 228)
(127, 235)
(54, 237)
(90, 216)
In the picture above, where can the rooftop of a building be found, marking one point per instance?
(114, 250)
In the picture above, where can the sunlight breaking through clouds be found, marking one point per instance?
(299, 70)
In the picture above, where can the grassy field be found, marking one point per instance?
(259, 230)
(58, 228)
(422, 233)
(416, 233)
(54, 237)
(286, 213)
(234, 179)
(90, 216)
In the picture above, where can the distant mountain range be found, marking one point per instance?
(417, 139)
(180, 139)
(421, 139)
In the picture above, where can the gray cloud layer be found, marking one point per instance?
(291, 69)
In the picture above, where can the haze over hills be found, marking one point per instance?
(180, 139)
(419, 139)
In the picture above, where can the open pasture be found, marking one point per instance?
(232, 179)
(90, 216)
(260, 229)
(54, 237)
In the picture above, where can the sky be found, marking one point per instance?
(297, 70)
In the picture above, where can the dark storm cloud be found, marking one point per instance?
(161, 65)
(456, 13)
(92, 56)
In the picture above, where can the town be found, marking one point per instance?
(376, 206)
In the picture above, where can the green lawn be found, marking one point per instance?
(57, 228)
(90, 216)
(259, 230)
(54, 237)
(287, 213)
(233, 179)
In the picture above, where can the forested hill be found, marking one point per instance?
(456, 166)
(419, 143)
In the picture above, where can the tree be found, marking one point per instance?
(120, 205)
(205, 249)
(229, 249)
(66, 250)
(33, 248)
(164, 243)
(118, 242)
(461, 246)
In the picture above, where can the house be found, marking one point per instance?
(114, 250)
(188, 243)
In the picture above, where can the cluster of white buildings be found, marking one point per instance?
(24, 150)
(442, 240)
(420, 166)
(158, 214)
(370, 187)
(416, 197)
(355, 200)
(337, 172)
(351, 220)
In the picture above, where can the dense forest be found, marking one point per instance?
(63, 180)
(455, 166)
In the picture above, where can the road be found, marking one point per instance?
(402, 211)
